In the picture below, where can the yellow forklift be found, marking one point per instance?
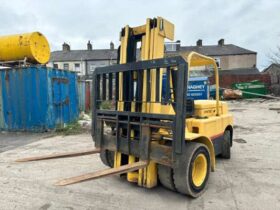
(177, 138)
(146, 135)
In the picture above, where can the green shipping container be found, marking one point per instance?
(255, 87)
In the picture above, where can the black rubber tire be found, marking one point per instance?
(226, 145)
(165, 175)
(183, 174)
(107, 157)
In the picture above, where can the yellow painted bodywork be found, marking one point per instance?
(211, 117)
(199, 170)
(32, 46)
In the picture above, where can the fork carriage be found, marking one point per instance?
(147, 143)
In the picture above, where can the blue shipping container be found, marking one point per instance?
(37, 98)
(198, 88)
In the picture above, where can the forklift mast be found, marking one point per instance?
(151, 39)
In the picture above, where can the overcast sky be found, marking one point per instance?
(252, 24)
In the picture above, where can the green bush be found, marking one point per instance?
(107, 105)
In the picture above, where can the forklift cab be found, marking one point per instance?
(200, 61)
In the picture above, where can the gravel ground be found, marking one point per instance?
(249, 180)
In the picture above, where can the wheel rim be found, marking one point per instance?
(199, 170)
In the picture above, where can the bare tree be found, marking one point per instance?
(274, 57)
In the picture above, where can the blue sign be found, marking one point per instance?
(198, 88)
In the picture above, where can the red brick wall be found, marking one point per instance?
(227, 80)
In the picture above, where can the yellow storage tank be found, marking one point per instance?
(33, 46)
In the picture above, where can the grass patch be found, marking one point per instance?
(71, 129)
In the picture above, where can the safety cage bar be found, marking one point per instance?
(106, 89)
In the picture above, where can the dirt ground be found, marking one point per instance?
(249, 180)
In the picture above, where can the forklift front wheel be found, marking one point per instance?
(107, 157)
(191, 178)
(165, 175)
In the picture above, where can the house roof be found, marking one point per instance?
(78, 55)
(217, 50)
(272, 65)
(106, 54)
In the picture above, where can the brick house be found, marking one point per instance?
(85, 61)
(274, 72)
(227, 56)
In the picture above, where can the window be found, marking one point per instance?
(218, 62)
(66, 66)
(55, 65)
(77, 67)
(92, 67)
(171, 47)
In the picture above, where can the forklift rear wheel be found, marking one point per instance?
(191, 178)
(226, 145)
(107, 157)
(165, 175)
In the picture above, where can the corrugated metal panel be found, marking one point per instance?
(1, 107)
(37, 98)
(88, 96)
(84, 93)
(81, 94)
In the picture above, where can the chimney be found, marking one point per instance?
(221, 42)
(65, 47)
(89, 45)
(199, 43)
(112, 46)
(178, 45)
